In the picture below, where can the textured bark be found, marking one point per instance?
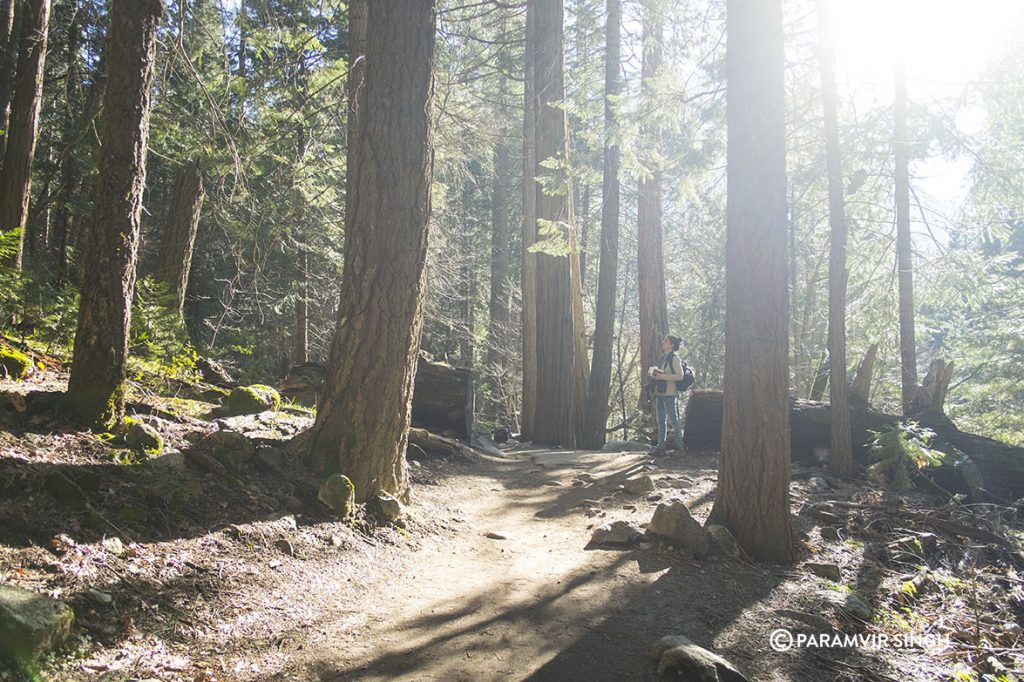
(70, 174)
(529, 238)
(501, 261)
(554, 422)
(841, 453)
(608, 267)
(96, 386)
(300, 351)
(930, 396)
(362, 426)
(904, 255)
(753, 482)
(356, 92)
(861, 387)
(179, 238)
(16, 182)
(8, 55)
(650, 257)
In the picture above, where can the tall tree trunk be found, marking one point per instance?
(179, 238)
(904, 254)
(362, 426)
(8, 58)
(841, 454)
(556, 335)
(70, 176)
(300, 349)
(608, 268)
(96, 386)
(16, 183)
(300, 353)
(753, 481)
(355, 90)
(529, 259)
(650, 260)
(501, 260)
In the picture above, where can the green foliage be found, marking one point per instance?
(899, 451)
(158, 332)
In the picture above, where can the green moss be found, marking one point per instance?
(15, 362)
(144, 438)
(252, 400)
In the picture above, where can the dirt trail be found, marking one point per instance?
(477, 608)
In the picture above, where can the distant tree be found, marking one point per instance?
(904, 247)
(96, 385)
(601, 367)
(362, 425)
(527, 413)
(179, 237)
(8, 57)
(21, 135)
(752, 499)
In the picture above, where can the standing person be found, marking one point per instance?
(665, 377)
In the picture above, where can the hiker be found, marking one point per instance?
(665, 376)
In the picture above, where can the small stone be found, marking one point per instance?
(849, 604)
(724, 540)
(98, 598)
(172, 459)
(554, 484)
(656, 497)
(818, 484)
(113, 546)
(385, 507)
(31, 624)
(338, 493)
(586, 478)
(629, 507)
(638, 485)
(829, 571)
(337, 541)
(617, 533)
(645, 545)
(497, 535)
(144, 438)
(692, 662)
(285, 547)
(672, 520)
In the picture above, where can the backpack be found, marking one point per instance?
(652, 386)
(687, 381)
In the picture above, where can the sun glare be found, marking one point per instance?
(945, 43)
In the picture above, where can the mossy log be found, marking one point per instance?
(1001, 466)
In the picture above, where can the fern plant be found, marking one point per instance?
(898, 452)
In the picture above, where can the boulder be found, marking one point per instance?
(338, 493)
(252, 400)
(484, 444)
(144, 438)
(724, 540)
(31, 624)
(692, 662)
(385, 507)
(617, 533)
(849, 604)
(827, 571)
(672, 521)
(14, 364)
(232, 449)
(638, 485)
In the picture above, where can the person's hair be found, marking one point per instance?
(674, 340)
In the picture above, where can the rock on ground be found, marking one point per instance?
(617, 533)
(724, 540)
(338, 493)
(692, 662)
(672, 520)
(31, 624)
(385, 507)
(638, 485)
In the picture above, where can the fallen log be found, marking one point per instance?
(1000, 466)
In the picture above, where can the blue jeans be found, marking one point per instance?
(667, 411)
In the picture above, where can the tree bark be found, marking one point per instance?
(861, 387)
(96, 385)
(529, 259)
(362, 426)
(650, 255)
(753, 482)
(179, 238)
(555, 420)
(501, 262)
(904, 254)
(70, 175)
(8, 58)
(841, 454)
(16, 183)
(608, 267)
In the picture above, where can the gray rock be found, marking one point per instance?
(113, 546)
(692, 662)
(849, 604)
(829, 571)
(232, 449)
(31, 624)
(638, 485)
(385, 507)
(98, 598)
(586, 478)
(144, 437)
(724, 540)
(616, 533)
(672, 520)
(656, 497)
(484, 444)
(171, 459)
(497, 535)
(818, 484)
(285, 547)
(338, 493)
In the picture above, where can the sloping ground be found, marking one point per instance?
(246, 576)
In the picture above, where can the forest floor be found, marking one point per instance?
(178, 573)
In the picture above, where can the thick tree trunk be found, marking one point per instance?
(8, 59)
(443, 398)
(861, 387)
(554, 422)
(752, 499)
(179, 238)
(501, 263)
(16, 183)
(70, 175)
(841, 455)
(608, 268)
(362, 426)
(96, 386)
(1001, 466)
(529, 259)
(904, 248)
(650, 256)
